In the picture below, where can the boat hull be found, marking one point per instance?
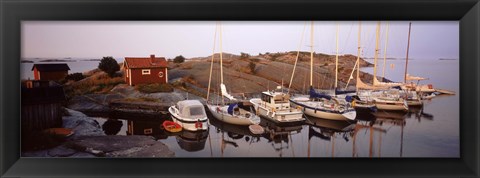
(281, 116)
(218, 113)
(390, 105)
(190, 124)
(319, 113)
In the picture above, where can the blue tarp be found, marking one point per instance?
(231, 107)
(339, 92)
(314, 94)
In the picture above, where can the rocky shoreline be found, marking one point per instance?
(89, 140)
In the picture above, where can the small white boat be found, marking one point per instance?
(190, 114)
(233, 114)
(276, 107)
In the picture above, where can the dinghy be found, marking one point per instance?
(171, 126)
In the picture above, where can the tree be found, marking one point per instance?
(179, 59)
(244, 55)
(109, 65)
(252, 66)
(75, 76)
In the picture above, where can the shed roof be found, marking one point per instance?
(51, 67)
(145, 62)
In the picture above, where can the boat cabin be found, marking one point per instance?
(276, 100)
(191, 108)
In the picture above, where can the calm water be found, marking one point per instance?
(431, 131)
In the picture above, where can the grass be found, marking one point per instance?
(154, 88)
(97, 83)
(142, 99)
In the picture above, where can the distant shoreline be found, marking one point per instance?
(57, 60)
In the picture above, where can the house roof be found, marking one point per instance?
(51, 67)
(146, 62)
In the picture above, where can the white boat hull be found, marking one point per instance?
(220, 113)
(390, 105)
(189, 123)
(282, 116)
(348, 115)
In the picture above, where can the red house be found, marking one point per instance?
(54, 72)
(145, 70)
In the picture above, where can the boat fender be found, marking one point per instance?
(218, 109)
(198, 124)
(353, 103)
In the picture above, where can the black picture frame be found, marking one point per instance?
(13, 12)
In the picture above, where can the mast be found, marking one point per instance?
(296, 59)
(376, 51)
(385, 53)
(211, 63)
(221, 63)
(311, 55)
(408, 47)
(359, 50)
(336, 60)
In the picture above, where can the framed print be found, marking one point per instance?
(239, 88)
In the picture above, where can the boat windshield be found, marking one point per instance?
(197, 111)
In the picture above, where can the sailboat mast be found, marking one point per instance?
(408, 47)
(311, 55)
(376, 51)
(385, 53)
(296, 58)
(221, 56)
(336, 59)
(359, 51)
(211, 63)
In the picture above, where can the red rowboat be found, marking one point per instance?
(172, 126)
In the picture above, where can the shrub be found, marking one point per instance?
(244, 55)
(179, 59)
(109, 65)
(75, 76)
(252, 66)
(154, 88)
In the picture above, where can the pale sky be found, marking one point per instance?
(95, 39)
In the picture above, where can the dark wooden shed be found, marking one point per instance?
(42, 103)
(53, 72)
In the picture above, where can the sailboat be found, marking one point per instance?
(321, 105)
(409, 94)
(361, 105)
(231, 113)
(383, 97)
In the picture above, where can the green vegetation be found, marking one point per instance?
(75, 77)
(252, 66)
(179, 59)
(142, 99)
(109, 66)
(244, 55)
(154, 88)
(97, 83)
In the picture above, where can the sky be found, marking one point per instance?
(96, 39)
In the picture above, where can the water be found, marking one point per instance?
(429, 132)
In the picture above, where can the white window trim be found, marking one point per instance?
(145, 71)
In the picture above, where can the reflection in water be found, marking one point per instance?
(381, 134)
(112, 126)
(327, 130)
(192, 141)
